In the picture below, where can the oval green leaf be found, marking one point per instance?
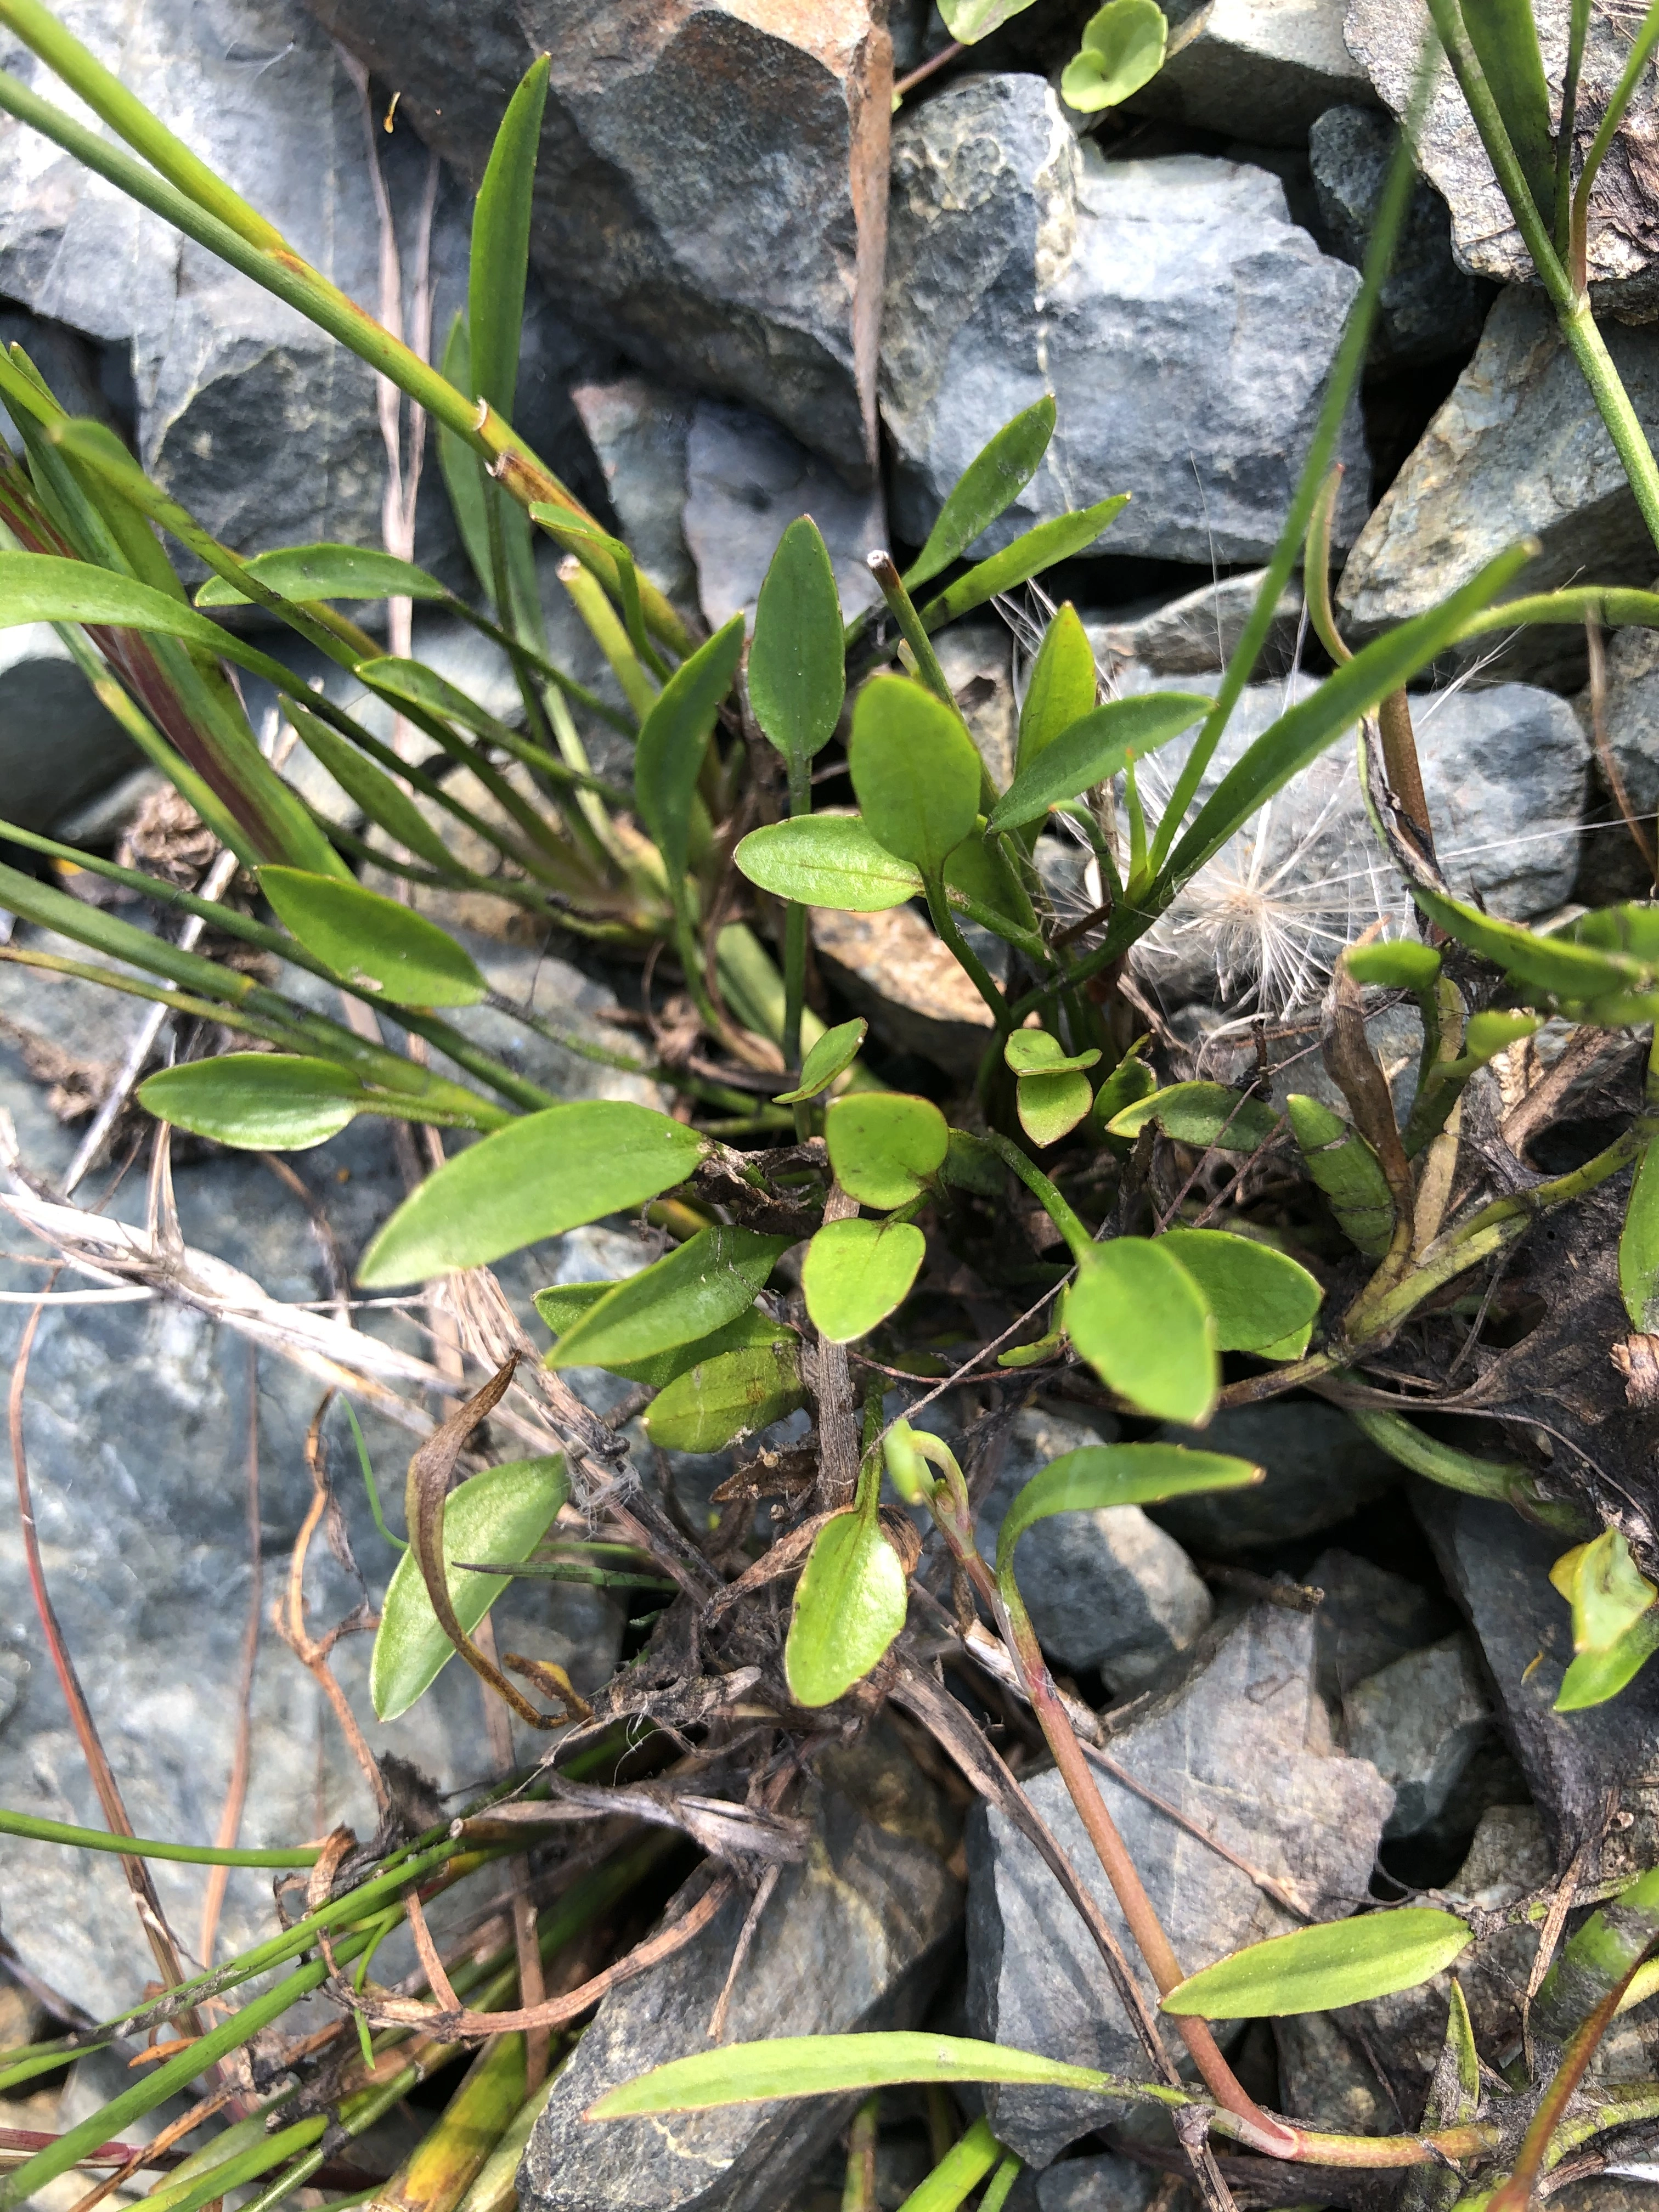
(327, 572)
(914, 770)
(1343, 1962)
(1050, 1105)
(1638, 1244)
(886, 1147)
(1095, 748)
(687, 1294)
(823, 2065)
(376, 946)
(1036, 1052)
(996, 477)
(1123, 47)
(1595, 1676)
(856, 1273)
(1140, 1320)
(1261, 1300)
(827, 860)
(673, 738)
(716, 1402)
(1060, 687)
(1206, 1114)
(1107, 1476)
(797, 658)
(566, 1303)
(552, 1172)
(1039, 548)
(1400, 964)
(850, 1603)
(831, 1057)
(1607, 1591)
(501, 1514)
(259, 1102)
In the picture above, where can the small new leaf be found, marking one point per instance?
(1106, 1475)
(856, 1273)
(849, 1605)
(886, 1147)
(829, 1058)
(1122, 50)
(1002, 468)
(796, 666)
(1094, 749)
(673, 738)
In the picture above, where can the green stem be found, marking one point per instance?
(960, 2172)
(1078, 1241)
(1590, 350)
(142, 1847)
(945, 923)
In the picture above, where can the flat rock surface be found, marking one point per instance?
(1242, 1745)
(1261, 69)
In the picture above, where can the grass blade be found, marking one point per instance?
(501, 243)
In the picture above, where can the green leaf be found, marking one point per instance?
(1343, 1962)
(1123, 46)
(380, 948)
(1060, 689)
(915, 771)
(998, 473)
(1049, 543)
(1299, 736)
(674, 738)
(501, 1514)
(551, 1171)
(1399, 964)
(412, 683)
(708, 1282)
(1607, 1591)
(1106, 1475)
(1051, 1105)
(1036, 1052)
(1095, 748)
(797, 659)
(850, 1603)
(827, 860)
(981, 870)
(1347, 1170)
(886, 1147)
(823, 2065)
(1206, 1114)
(259, 1102)
(501, 243)
(1262, 1301)
(1140, 1320)
(327, 572)
(1565, 968)
(45, 587)
(566, 1303)
(971, 1164)
(1595, 1676)
(856, 1273)
(716, 1402)
(969, 20)
(1504, 37)
(1129, 1082)
(831, 1057)
(384, 801)
(1638, 1244)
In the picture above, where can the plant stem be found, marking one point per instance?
(142, 1847)
(1590, 350)
(945, 923)
(1078, 1241)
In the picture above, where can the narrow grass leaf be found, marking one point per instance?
(674, 738)
(886, 1147)
(826, 2065)
(501, 1514)
(1140, 1321)
(1039, 548)
(383, 801)
(709, 1281)
(797, 661)
(830, 860)
(829, 1058)
(716, 1402)
(1004, 466)
(915, 771)
(1505, 36)
(501, 243)
(850, 1603)
(1638, 1245)
(1104, 1476)
(857, 1273)
(551, 1171)
(1261, 1300)
(327, 572)
(257, 1101)
(1094, 749)
(1316, 1969)
(378, 946)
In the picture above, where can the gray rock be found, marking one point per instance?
(1259, 69)
(1388, 35)
(1195, 634)
(1320, 1470)
(1326, 2080)
(977, 657)
(1428, 307)
(638, 430)
(1106, 1589)
(1021, 263)
(1631, 723)
(1241, 1745)
(58, 746)
(1498, 1566)
(1517, 449)
(850, 1941)
(893, 969)
(711, 181)
(746, 480)
(1104, 2183)
(1369, 1618)
(1419, 1722)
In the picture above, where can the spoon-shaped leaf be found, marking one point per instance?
(998, 473)
(856, 1273)
(259, 1102)
(327, 572)
(717, 1401)
(797, 658)
(1055, 540)
(550, 1172)
(885, 1146)
(1122, 50)
(1314, 1969)
(1036, 1052)
(709, 1281)
(1106, 1475)
(673, 738)
(378, 945)
(914, 770)
(850, 1603)
(1140, 1320)
(1200, 1113)
(827, 860)
(1095, 748)
(1050, 1103)
(501, 1514)
(832, 1055)
(1262, 1301)
(1060, 687)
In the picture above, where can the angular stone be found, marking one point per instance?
(1419, 1722)
(1240, 1744)
(1428, 307)
(1387, 36)
(851, 1941)
(1184, 327)
(1195, 634)
(1629, 719)
(746, 480)
(977, 657)
(1519, 448)
(1261, 70)
(1104, 2183)
(1106, 1589)
(711, 185)
(1320, 1470)
(1498, 1566)
(1326, 2080)
(638, 430)
(58, 746)
(891, 968)
(1369, 1618)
